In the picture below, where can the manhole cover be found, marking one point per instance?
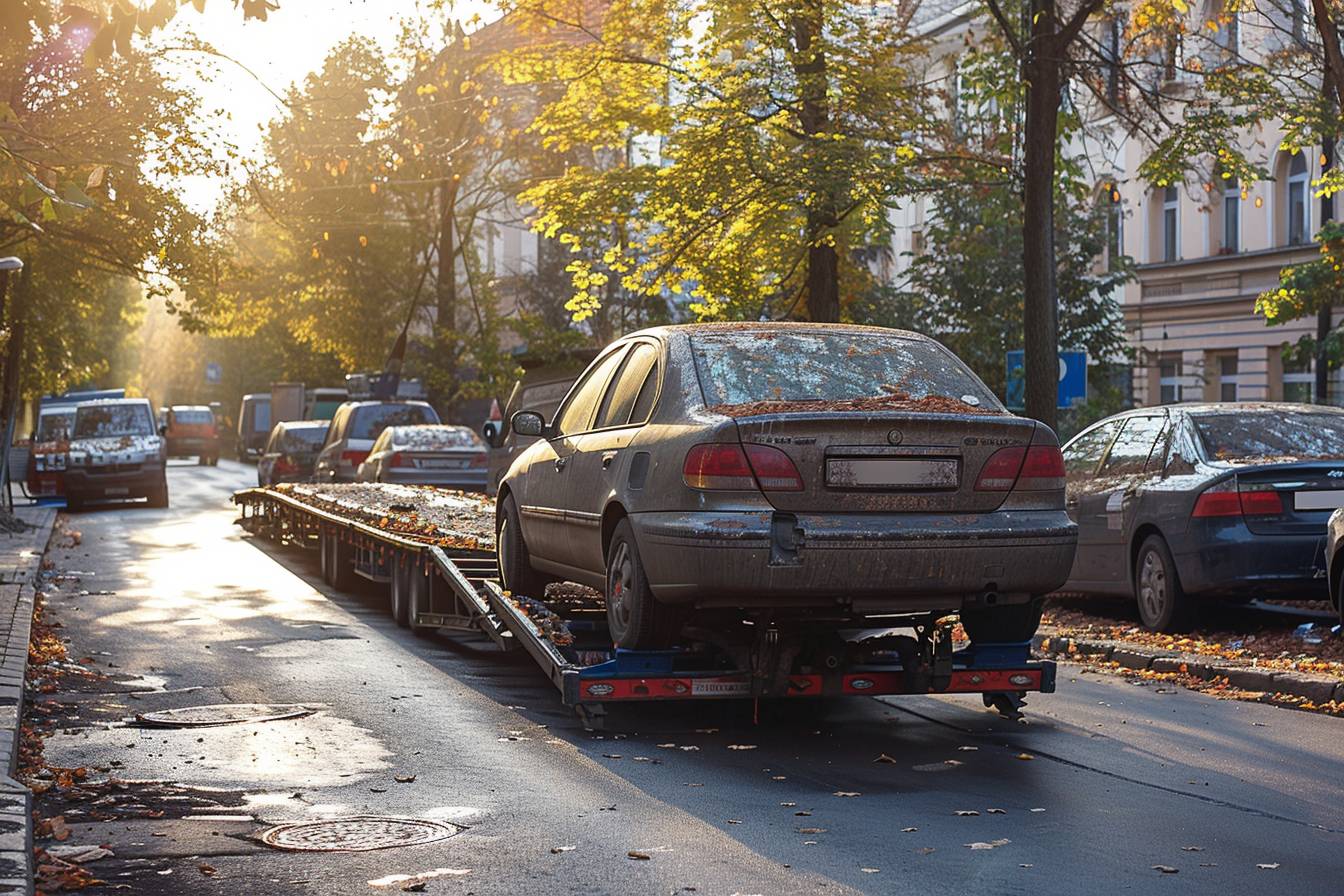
(357, 833)
(222, 714)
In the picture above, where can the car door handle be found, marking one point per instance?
(607, 458)
(560, 464)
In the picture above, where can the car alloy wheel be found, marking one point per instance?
(620, 585)
(1153, 593)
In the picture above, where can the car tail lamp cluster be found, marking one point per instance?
(284, 466)
(353, 458)
(1024, 468)
(399, 460)
(480, 460)
(729, 467)
(1225, 499)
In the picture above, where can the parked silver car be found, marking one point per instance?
(826, 471)
(355, 426)
(434, 454)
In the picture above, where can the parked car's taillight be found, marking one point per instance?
(1224, 499)
(480, 460)
(399, 460)
(353, 458)
(284, 466)
(1037, 468)
(729, 467)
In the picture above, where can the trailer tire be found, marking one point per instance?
(515, 564)
(636, 619)
(420, 591)
(326, 542)
(1005, 624)
(401, 592)
(343, 573)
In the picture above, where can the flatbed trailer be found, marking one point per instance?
(435, 587)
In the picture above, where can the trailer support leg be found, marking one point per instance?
(1007, 703)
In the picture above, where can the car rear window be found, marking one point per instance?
(113, 420)
(298, 441)
(845, 370)
(435, 438)
(370, 421)
(193, 417)
(1272, 436)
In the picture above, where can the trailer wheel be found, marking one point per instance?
(401, 592)
(515, 565)
(422, 584)
(1006, 624)
(637, 620)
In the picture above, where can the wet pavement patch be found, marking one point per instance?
(222, 714)
(357, 833)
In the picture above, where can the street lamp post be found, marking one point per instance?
(10, 409)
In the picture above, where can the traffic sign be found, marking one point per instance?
(214, 373)
(1072, 378)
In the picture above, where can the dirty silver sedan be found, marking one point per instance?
(801, 471)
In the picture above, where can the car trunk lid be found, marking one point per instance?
(886, 461)
(1307, 494)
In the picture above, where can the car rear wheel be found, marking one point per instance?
(1163, 604)
(1004, 624)
(515, 565)
(637, 620)
(401, 592)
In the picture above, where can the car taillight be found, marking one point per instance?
(283, 465)
(400, 460)
(730, 467)
(353, 458)
(1036, 468)
(1225, 500)
(480, 460)
(774, 469)
(717, 467)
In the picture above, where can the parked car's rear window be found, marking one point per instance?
(193, 417)
(435, 438)
(370, 421)
(113, 420)
(750, 366)
(1304, 436)
(301, 439)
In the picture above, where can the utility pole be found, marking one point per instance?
(14, 316)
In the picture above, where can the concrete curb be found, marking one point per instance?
(20, 562)
(1316, 688)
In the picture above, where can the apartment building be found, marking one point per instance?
(1204, 250)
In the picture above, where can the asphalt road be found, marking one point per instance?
(1103, 782)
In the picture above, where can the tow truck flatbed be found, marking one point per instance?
(446, 579)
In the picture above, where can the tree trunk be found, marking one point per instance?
(1325, 315)
(814, 117)
(17, 308)
(445, 289)
(1040, 302)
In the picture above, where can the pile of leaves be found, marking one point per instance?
(893, 401)
(1219, 688)
(1271, 645)
(551, 626)
(438, 516)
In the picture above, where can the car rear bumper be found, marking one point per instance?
(872, 562)
(46, 485)
(1249, 565)
(467, 480)
(83, 485)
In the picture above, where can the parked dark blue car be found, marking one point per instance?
(1178, 503)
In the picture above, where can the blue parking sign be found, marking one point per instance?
(1072, 378)
(213, 373)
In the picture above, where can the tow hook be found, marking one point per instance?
(1007, 703)
(786, 540)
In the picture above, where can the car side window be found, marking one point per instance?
(577, 414)
(648, 393)
(625, 388)
(1129, 454)
(1081, 457)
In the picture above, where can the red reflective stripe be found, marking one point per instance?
(963, 681)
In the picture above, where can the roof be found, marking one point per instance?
(108, 402)
(304, 424)
(777, 326)
(189, 407)
(1254, 407)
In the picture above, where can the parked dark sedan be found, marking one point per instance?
(813, 471)
(291, 452)
(435, 454)
(1178, 503)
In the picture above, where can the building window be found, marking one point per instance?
(1231, 215)
(1299, 212)
(1169, 379)
(1228, 378)
(1299, 380)
(1171, 198)
(917, 242)
(1110, 51)
(1302, 20)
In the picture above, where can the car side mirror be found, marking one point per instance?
(528, 423)
(490, 432)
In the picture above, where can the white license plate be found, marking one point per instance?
(116, 491)
(1322, 500)
(442, 464)
(709, 687)
(884, 472)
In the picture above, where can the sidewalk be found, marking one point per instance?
(20, 561)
